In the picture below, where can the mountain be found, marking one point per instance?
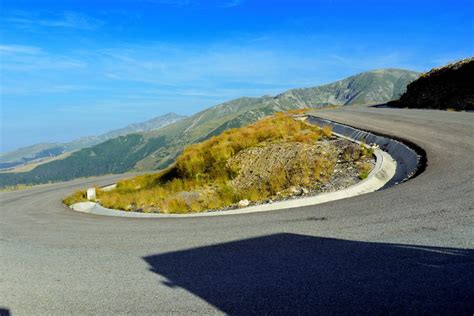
(448, 87)
(373, 87)
(44, 151)
(30, 153)
(157, 149)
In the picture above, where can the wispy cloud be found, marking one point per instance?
(63, 20)
(21, 88)
(38, 62)
(30, 70)
(240, 66)
(217, 71)
(18, 49)
(230, 3)
(179, 3)
(187, 3)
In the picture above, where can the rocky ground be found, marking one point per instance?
(296, 163)
(282, 170)
(338, 163)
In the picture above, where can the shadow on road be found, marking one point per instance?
(288, 273)
(4, 312)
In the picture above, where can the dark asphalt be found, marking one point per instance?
(406, 249)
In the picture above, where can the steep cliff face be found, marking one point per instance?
(449, 87)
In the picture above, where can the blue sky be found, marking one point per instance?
(76, 68)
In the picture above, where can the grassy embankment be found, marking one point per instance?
(201, 178)
(15, 187)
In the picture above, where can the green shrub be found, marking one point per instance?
(364, 170)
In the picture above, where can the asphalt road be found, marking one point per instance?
(406, 249)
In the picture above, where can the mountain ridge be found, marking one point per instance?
(157, 149)
(44, 150)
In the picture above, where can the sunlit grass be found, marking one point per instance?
(16, 187)
(201, 177)
(364, 170)
(75, 197)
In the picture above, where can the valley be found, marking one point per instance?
(157, 149)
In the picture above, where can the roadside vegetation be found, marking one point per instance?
(221, 171)
(15, 187)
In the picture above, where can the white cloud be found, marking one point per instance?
(194, 72)
(35, 63)
(214, 65)
(230, 3)
(63, 20)
(174, 2)
(187, 3)
(28, 70)
(19, 49)
(19, 88)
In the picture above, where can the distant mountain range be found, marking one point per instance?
(156, 149)
(43, 151)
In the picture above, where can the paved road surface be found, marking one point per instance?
(405, 249)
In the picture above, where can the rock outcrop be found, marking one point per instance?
(449, 87)
(299, 168)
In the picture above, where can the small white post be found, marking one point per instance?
(91, 194)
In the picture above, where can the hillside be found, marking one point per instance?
(371, 87)
(449, 87)
(39, 152)
(30, 153)
(158, 148)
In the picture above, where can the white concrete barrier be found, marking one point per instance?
(384, 171)
(91, 194)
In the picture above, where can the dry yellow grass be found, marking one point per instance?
(77, 196)
(200, 178)
(327, 130)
